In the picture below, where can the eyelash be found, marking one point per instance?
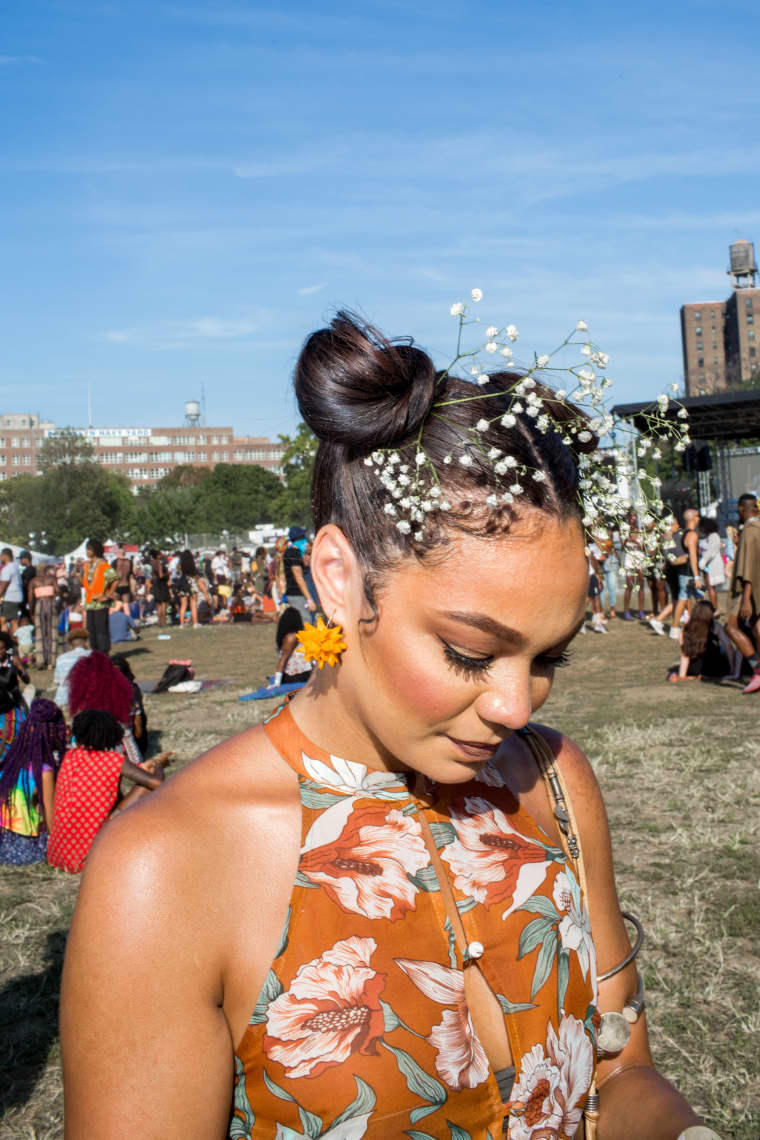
(479, 666)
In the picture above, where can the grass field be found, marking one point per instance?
(679, 769)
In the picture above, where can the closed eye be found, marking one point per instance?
(468, 666)
(555, 661)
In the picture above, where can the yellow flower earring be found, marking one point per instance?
(322, 643)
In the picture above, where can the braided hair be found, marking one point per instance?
(41, 741)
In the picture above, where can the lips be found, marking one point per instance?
(475, 750)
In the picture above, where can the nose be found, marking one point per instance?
(509, 703)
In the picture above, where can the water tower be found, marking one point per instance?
(743, 269)
(192, 413)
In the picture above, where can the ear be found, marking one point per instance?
(336, 573)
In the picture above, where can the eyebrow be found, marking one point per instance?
(489, 625)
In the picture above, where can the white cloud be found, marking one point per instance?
(182, 334)
(307, 290)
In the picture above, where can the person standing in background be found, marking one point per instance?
(27, 575)
(99, 582)
(124, 568)
(744, 595)
(711, 559)
(11, 589)
(296, 589)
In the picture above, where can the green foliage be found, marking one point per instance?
(294, 505)
(64, 449)
(70, 501)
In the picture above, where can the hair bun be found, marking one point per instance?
(360, 390)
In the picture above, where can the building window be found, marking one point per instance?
(16, 460)
(751, 334)
(748, 302)
(15, 441)
(698, 330)
(697, 314)
(223, 439)
(701, 362)
(201, 439)
(750, 319)
(752, 352)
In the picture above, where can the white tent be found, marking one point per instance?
(37, 555)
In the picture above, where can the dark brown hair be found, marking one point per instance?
(697, 631)
(360, 392)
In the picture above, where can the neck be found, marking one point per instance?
(332, 719)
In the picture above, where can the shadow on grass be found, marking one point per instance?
(29, 1025)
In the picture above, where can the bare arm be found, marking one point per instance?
(48, 799)
(161, 971)
(635, 1100)
(289, 642)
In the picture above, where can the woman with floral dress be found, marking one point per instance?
(380, 910)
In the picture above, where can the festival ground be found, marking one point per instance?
(679, 769)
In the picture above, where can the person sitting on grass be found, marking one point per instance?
(27, 784)
(96, 683)
(78, 646)
(138, 718)
(292, 668)
(87, 790)
(706, 649)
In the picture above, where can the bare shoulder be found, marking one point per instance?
(201, 862)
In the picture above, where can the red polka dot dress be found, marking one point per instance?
(85, 795)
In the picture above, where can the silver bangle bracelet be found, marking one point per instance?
(631, 954)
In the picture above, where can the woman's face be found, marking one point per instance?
(465, 647)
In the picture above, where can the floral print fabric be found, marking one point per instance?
(362, 1028)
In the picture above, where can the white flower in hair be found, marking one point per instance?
(516, 489)
(512, 332)
(542, 360)
(457, 309)
(420, 458)
(508, 420)
(483, 378)
(581, 326)
(482, 425)
(403, 526)
(492, 500)
(477, 295)
(492, 331)
(465, 459)
(539, 476)
(506, 351)
(492, 346)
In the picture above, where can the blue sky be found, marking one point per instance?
(187, 189)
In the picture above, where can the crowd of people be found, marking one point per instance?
(693, 564)
(62, 761)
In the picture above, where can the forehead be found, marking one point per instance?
(536, 572)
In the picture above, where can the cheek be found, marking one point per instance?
(415, 681)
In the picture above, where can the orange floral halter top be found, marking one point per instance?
(361, 1030)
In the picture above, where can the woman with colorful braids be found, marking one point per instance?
(391, 908)
(27, 783)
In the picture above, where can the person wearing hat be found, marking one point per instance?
(78, 646)
(297, 591)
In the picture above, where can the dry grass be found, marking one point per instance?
(679, 768)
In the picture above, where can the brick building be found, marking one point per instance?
(719, 338)
(144, 455)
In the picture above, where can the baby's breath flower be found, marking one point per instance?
(477, 295)
(584, 436)
(512, 332)
(368, 461)
(586, 349)
(447, 459)
(506, 351)
(542, 360)
(418, 534)
(539, 476)
(444, 505)
(483, 378)
(560, 393)
(494, 453)
(492, 331)
(508, 420)
(389, 509)
(403, 526)
(683, 414)
(465, 459)
(507, 497)
(420, 458)
(482, 425)
(674, 387)
(516, 489)
(404, 480)
(517, 407)
(492, 346)
(456, 311)
(581, 326)
(474, 370)
(492, 500)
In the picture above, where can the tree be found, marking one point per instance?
(294, 501)
(71, 501)
(64, 449)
